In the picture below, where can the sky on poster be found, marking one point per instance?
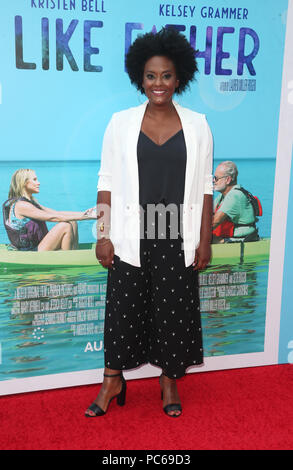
(61, 114)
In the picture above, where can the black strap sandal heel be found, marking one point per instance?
(121, 398)
(170, 406)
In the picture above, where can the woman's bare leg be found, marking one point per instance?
(59, 237)
(75, 234)
(170, 393)
(111, 386)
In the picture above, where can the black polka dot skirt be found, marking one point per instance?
(153, 312)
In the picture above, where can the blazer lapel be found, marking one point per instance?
(135, 121)
(189, 132)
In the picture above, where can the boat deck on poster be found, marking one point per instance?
(230, 253)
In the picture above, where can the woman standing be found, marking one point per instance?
(157, 155)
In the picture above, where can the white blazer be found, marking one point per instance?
(119, 175)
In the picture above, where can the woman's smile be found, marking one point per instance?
(159, 80)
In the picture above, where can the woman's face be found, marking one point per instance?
(32, 185)
(159, 80)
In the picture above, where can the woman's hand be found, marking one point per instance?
(203, 256)
(105, 252)
(91, 213)
(203, 253)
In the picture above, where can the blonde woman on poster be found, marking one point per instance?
(25, 219)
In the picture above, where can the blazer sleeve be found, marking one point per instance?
(208, 151)
(107, 157)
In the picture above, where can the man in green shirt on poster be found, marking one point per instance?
(235, 209)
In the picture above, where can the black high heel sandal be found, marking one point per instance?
(170, 406)
(121, 397)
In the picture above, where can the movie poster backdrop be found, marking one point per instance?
(62, 76)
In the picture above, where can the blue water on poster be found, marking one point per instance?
(67, 344)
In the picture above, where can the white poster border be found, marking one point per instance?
(280, 202)
(275, 279)
(95, 376)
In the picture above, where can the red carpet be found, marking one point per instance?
(244, 409)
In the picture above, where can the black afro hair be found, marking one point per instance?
(168, 43)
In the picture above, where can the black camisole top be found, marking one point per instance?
(161, 170)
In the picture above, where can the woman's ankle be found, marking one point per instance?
(168, 379)
(110, 372)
